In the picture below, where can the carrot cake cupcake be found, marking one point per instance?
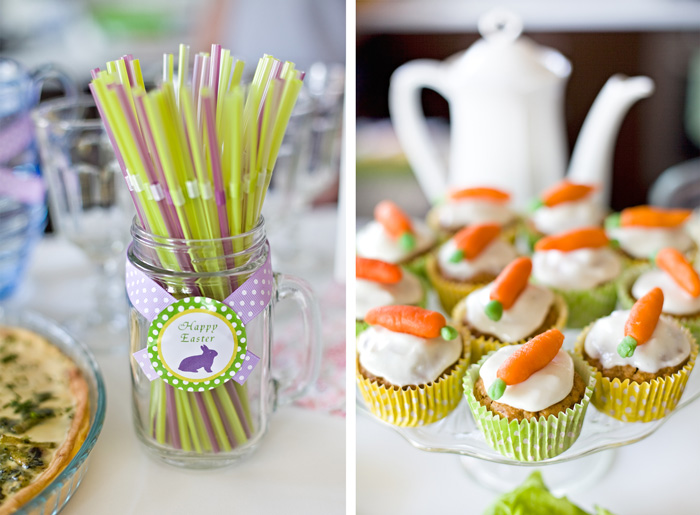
(642, 360)
(469, 206)
(395, 238)
(410, 365)
(530, 399)
(677, 279)
(508, 311)
(379, 283)
(580, 266)
(470, 259)
(642, 231)
(563, 207)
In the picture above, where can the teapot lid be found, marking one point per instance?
(504, 58)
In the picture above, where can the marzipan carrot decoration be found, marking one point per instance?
(586, 238)
(675, 264)
(641, 323)
(508, 286)
(528, 359)
(377, 271)
(411, 320)
(472, 240)
(565, 191)
(396, 223)
(489, 194)
(648, 216)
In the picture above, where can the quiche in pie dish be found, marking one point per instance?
(44, 416)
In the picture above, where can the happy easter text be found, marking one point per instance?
(201, 329)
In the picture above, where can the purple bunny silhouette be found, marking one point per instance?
(203, 360)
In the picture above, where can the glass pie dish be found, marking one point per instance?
(459, 434)
(57, 493)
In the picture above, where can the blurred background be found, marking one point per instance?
(656, 38)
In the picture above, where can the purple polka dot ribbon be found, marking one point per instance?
(248, 301)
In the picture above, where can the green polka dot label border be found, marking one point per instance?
(197, 344)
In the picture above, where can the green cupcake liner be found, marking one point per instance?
(531, 440)
(417, 266)
(626, 301)
(585, 306)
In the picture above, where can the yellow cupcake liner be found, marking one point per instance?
(630, 401)
(626, 301)
(449, 292)
(482, 345)
(419, 405)
(534, 439)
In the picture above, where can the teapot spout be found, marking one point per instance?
(592, 157)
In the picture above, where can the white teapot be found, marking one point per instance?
(506, 98)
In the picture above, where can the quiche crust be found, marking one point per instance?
(77, 390)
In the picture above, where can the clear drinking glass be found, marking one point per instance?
(88, 201)
(176, 421)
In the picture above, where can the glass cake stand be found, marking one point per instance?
(579, 467)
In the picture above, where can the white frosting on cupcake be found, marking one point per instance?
(460, 213)
(373, 242)
(580, 269)
(371, 294)
(568, 215)
(403, 359)
(545, 387)
(667, 347)
(492, 259)
(642, 242)
(524, 316)
(677, 301)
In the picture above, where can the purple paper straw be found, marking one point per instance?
(214, 69)
(207, 422)
(219, 193)
(227, 424)
(204, 74)
(239, 407)
(171, 416)
(196, 70)
(129, 72)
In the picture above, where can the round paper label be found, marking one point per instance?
(196, 344)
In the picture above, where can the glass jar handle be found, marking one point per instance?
(46, 72)
(294, 288)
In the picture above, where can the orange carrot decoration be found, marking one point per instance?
(675, 264)
(489, 194)
(565, 191)
(649, 216)
(411, 320)
(586, 238)
(472, 240)
(642, 321)
(526, 360)
(396, 223)
(377, 271)
(508, 286)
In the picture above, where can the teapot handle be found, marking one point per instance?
(410, 124)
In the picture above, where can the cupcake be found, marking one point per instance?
(677, 279)
(564, 207)
(470, 206)
(410, 365)
(508, 311)
(580, 266)
(642, 360)
(530, 399)
(395, 238)
(642, 231)
(467, 261)
(382, 284)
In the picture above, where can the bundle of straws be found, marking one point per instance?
(197, 156)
